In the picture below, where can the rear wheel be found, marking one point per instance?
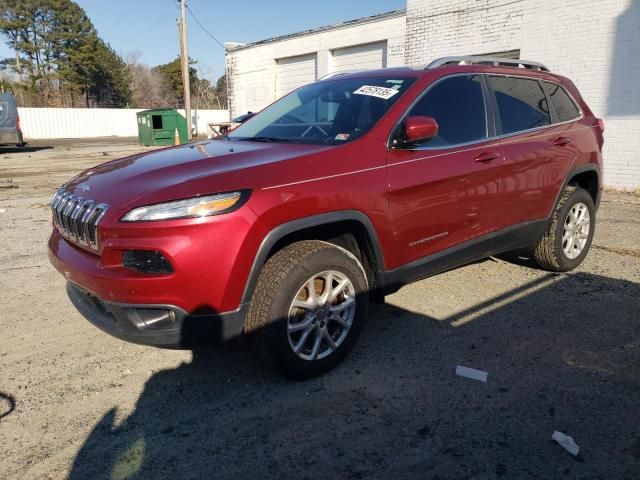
(308, 307)
(567, 240)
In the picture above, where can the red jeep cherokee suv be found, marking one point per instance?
(341, 191)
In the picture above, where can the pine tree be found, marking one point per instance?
(111, 79)
(172, 72)
(62, 59)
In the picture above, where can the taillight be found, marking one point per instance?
(17, 122)
(600, 123)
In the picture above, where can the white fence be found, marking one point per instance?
(97, 122)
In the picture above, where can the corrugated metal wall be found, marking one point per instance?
(97, 122)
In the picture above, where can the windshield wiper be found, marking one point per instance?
(266, 139)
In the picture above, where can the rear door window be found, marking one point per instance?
(562, 102)
(521, 103)
(457, 104)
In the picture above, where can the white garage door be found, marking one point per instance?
(293, 72)
(360, 57)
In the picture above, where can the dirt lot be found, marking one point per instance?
(562, 352)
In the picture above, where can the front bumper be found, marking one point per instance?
(158, 325)
(200, 300)
(211, 259)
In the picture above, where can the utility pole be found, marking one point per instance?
(184, 60)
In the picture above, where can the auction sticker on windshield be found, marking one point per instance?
(379, 92)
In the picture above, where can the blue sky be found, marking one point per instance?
(149, 26)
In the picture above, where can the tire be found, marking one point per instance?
(278, 326)
(554, 252)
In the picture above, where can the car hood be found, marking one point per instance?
(178, 172)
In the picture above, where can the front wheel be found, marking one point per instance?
(308, 307)
(567, 240)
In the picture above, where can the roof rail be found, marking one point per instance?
(478, 60)
(338, 74)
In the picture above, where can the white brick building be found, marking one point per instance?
(594, 42)
(263, 71)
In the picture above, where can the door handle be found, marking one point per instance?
(561, 141)
(486, 157)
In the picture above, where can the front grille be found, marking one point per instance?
(77, 218)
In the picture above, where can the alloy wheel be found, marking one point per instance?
(321, 315)
(576, 230)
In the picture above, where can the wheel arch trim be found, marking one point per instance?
(278, 233)
(590, 167)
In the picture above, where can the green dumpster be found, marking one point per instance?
(158, 126)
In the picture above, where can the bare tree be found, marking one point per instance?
(149, 89)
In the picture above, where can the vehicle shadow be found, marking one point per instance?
(25, 149)
(562, 352)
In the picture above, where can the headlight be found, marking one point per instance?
(189, 208)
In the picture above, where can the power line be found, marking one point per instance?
(193, 15)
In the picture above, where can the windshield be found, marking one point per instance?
(326, 112)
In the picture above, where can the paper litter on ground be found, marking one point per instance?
(471, 373)
(566, 442)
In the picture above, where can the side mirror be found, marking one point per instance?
(418, 129)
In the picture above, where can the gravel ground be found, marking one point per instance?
(562, 352)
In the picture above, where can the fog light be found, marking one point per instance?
(146, 261)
